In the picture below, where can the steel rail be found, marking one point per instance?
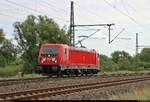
(41, 93)
(18, 81)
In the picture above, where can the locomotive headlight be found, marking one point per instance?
(42, 60)
(55, 60)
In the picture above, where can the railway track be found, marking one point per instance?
(42, 93)
(28, 80)
(17, 81)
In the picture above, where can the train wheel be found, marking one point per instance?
(78, 73)
(82, 73)
(69, 75)
(59, 74)
(86, 74)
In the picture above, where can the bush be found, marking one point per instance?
(28, 68)
(2, 61)
(140, 68)
(109, 66)
(132, 67)
(10, 70)
(146, 65)
(18, 61)
(124, 64)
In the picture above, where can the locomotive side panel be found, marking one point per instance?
(75, 58)
(82, 58)
(90, 59)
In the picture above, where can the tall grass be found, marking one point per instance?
(10, 70)
(137, 94)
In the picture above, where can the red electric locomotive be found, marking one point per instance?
(59, 59)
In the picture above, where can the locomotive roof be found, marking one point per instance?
(82, 49)
(72, 47)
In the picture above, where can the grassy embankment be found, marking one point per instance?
(137, 94)
(11, 72)
(123, 72)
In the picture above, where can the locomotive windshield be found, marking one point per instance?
(50, 51)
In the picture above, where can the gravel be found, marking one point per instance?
(94, 94)
(101, 93)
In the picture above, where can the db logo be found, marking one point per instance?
(49, 59)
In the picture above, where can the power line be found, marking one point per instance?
(90, 12)
(86, 29)
(7, 15)
(94, 25)
(147, 46)
(9, 8)
(138, 12)
(132, 19)
(54, 2)
(49, 5)
(83, 17)
(124, 7)
(19, 10)
(11, 2)
(52, 5)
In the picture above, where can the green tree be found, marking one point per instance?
(145, 55)
(119, 54)
(145, 65)
(2, 58)
(103, 58)
(124, 64)
(109, 66)
(8, 51)
(144, 58)
(34, 32)
(2, 61)
(1, 36)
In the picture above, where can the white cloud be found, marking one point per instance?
(87, 12)
(100, 35)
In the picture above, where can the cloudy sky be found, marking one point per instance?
(129, 16)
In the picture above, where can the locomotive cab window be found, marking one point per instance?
(50, 51)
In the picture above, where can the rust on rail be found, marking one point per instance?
(41, 93)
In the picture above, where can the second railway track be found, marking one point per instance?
(47, 92)
(28, 80)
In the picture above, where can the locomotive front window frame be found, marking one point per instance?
(65, 51)
(98, 55)
(50, 51)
